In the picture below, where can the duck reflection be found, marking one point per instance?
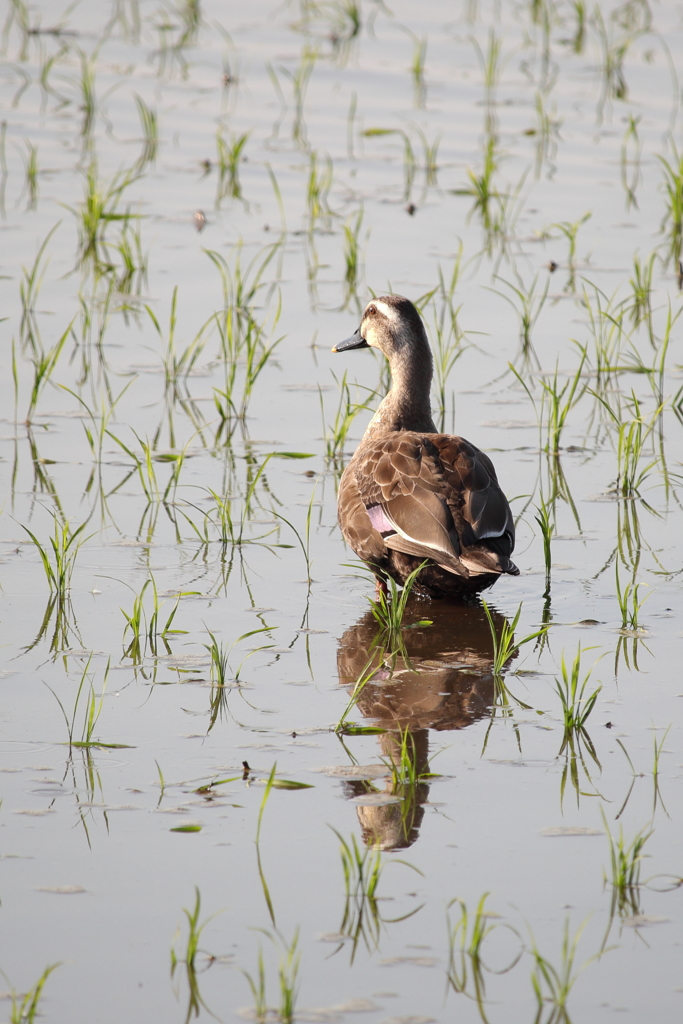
(443, 679)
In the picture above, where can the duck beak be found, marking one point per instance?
(355, 341)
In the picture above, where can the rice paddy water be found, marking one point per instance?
(231, 788)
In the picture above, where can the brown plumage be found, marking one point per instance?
(410, 493)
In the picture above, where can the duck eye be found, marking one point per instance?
(372, 310)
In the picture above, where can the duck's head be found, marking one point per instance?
(391, 324)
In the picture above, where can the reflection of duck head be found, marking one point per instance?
(443, 681)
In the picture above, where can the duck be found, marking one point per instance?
(411, 495)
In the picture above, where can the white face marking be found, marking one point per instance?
(388, 311)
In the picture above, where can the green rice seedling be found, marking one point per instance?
(149, 123)
(220, 517)
(528, 308)
(257, 843)
(465, 951)
(335, 434)
(629, 605)
(576, 708)
(633, 436)
(251, 491)
(91, 713)
(132, 276)
(481, 186)
(240, 288)
(342, 21)
(99, 422)
(300, 79)
(275, 81)
(389, 611)
(59, 558)
(222, 676)
(629, 535)
(614, 50)
(229, 155)
(545, 518)
(553, 985)
(144, 466)
(350, 15)
(318, 189)
(447, 349)
(93, 710)
(570, 230)
(188, 959)
(491, 64)
(18, 14)
(606, 325)
(448, 337)
(258, 988)
(547, 133)
(430, 152)
(44, 364)
(657, 375)
(640, 307)
(417, 70)
(672, 222)
(402, 763)
(178, 366)
(87, 90)
(288, 971)
(24, 1006)
(409, 161)
(505, 212)
(559, 402)
(29, 290)
(352, 258)
(505, 646)
(631, 150)
(231, 526)
(25, 83)
(624, 870)
(98, 210)
(148, 628)
(162, 784)
(578, 40)
(190, 13)
(129, 21)
(305, 545)
(220, 664)
(30, 159)
(257, 351)
(343, 726)
(242, 340)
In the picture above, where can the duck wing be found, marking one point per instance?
(480, 509)
(428, 495)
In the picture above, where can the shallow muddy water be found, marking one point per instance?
(197, 201)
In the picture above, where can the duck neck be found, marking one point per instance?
(408, 405)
